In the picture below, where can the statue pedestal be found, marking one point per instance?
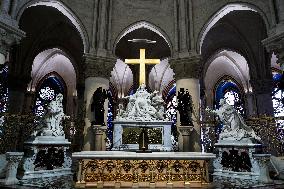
(184, 138)
(99, 132)
(238, 164)
(46, 159)
(13, 159)
(120, 126)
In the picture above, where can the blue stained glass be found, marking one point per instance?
(171, 109)
(278, 94)
(229, 91)
(48, 90)
(110, 118)
(3, 88)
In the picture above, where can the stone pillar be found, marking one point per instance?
(10, 35)
(250, 102)
(14, 7)
(17, 90)
(262, 90)
(280, 7)
(13, 159)
(99, 132)
(98, 71)
(28, 101)
(101, 34)
(79, 117)
(5, 6)
(187, 72)
(2, 59)
(184, 138)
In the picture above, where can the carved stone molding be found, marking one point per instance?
(263, 86)
(96, 66)
(9, 35)
(185, 130)
(275, 44)
(99, 130)
(13, 159)
(189, 67)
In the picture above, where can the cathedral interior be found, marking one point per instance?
(97, 54)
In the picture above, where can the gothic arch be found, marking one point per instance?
(147, 25)
(243, 75)
(223, 12)
(65, 11)
(46, 63)
(58, 76)
(226, 63)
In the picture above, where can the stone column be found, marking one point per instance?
(10, 34)
(28, 101)
(187, 72)
(14, 7)
(5, 6)
(13, 159)
(280, 7)
(262, 90)
(101, 31)
(251, 109)
(2, 59)
(99, 132)
(98, 71)
(17, 90)
(184, 138)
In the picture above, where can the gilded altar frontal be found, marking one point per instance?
(141, 94)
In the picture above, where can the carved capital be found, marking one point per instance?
(189, 67)
(262, 86)
(99, 130)
(9, 35)
(96, 66)
(275, 44)
(185, 130)
(14, 156)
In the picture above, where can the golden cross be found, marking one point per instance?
(142, 61)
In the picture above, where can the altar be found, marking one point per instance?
(161, 139)
(100, 169)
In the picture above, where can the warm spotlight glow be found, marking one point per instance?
(142, 62)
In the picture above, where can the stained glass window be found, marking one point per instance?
(278, 97)
(3, 94)
(48, 90)
(278, 94)
(3, 88)
(110, 119)
(229, 90)
(171, 109)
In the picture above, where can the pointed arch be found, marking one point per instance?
(147, 25)
(72, 17)
(223, 12)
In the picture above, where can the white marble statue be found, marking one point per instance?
(278, 164)
(234, 127)
(54, 118)
(142, 106)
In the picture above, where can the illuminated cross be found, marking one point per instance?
(142, 62)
